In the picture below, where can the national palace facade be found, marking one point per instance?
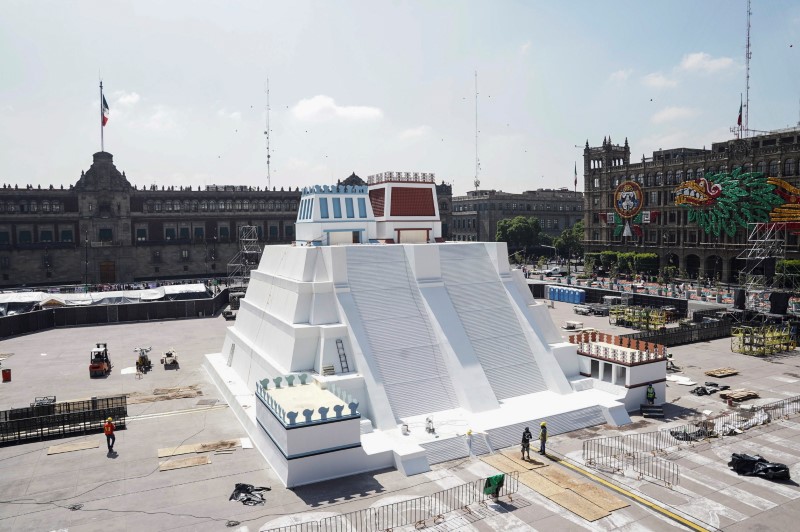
(105, 230)
(690, 206)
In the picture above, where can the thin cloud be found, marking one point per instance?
(162, 118)
(126, 99)
(703, 62)
(232, 115)
(321, 107)
(415, 132)
(620, 75)
(525, 48)
(670, 114)
(657, 80)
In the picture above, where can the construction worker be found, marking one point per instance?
(526, 443)
(650, 394)
(108, 430)
(542, 436)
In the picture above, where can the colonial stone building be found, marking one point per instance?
(103, 229)
(683, 204)
(475, 216)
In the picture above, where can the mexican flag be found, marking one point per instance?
(739, 121)
(105, 111)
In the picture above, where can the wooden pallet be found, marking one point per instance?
(722, 372)
(739, 395)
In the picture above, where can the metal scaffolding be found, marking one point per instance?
(765, 269)
(246, 259)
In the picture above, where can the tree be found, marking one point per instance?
(570, 242)
(519, 233)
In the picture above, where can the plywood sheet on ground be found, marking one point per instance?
(74, 446)
(602, 498)
(578, 505)
(175, 451)
(160, 395)
(500, 462)
(531, 463)
(180, 463)
(560, 477)
(540, 484)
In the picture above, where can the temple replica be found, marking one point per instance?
(371, 343)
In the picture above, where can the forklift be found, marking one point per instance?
(143, 364)
(99, 364)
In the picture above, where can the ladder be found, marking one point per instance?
(342, 355)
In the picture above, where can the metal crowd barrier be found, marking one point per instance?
(59, 420)
(414, 511)
(617, 453)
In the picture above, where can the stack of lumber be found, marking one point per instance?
(722, 372)
(739, 395)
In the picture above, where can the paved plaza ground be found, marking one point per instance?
(90, 490)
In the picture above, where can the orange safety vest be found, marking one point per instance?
(108, 428)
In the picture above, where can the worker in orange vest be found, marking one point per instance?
(108, 430)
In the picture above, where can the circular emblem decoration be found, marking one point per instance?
(628, 199)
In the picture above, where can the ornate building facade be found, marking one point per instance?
(103, 229)
(695, 208)
(475, 216)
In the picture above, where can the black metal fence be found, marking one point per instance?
(38, 320)
(59, 420)
(696, 332)
(419, 512)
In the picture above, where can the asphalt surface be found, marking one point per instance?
(91, 490)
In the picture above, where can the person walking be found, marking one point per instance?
(108, 430)
(526, 443)
(650, 394)
(542, 436)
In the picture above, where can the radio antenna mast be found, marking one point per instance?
(266, 134)
(477, 181)
(747, 55)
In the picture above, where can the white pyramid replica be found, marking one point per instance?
(370, 343)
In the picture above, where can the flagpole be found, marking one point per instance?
(102, 142)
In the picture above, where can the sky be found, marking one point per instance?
(374, 86)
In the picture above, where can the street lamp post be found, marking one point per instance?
(86, 259)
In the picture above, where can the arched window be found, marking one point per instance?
(641, 179)
(168, 206)
(2, 206)
(659, 179)
(157, 206)
(237, 205)
(194, 206)
(699, 173)
(246, 205)
(788, 167)
(723, 168)
(271, 205)
(262, 205)
(56, 206)
(679, 177)
(228, 205)
(670, 178)
(760, 167)
(188, 206)
(710, 170)
(286, 205)
(747, 168)
(774, 165)
(34, 207)
(177, 205)
(203, 206)
(294, 206)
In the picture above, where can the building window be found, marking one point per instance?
(141, 234)
(203, 206)
(66, 235)
(169, 233)
(773, 170)
(105, 235)
(337, 208)
(323, 208)
(224, 233)
(199, 233)
(183, 232)
(46, 236)
(262, 205)
(273, 232)
(184, 254)
(168, 206)
(246, 205)
(788, 167)
(271, 205)
(4, 237)
(596, 182)
(760, 167)
(348, 207)
(228, 205)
